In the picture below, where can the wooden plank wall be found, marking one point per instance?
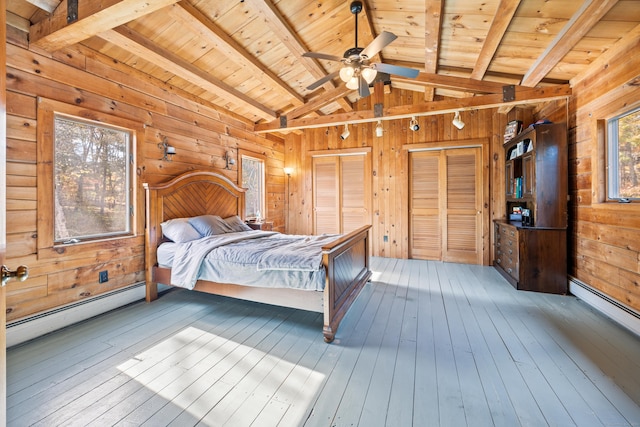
(201, 134)
(390, 164)
(604, 246)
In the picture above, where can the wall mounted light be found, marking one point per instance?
(413, 124)
(344, 135)
(168, 151)
(230, 161)
(457, 121)
(379, 129)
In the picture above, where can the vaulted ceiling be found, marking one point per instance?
(247, 56)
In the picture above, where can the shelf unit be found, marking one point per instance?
(532, 254)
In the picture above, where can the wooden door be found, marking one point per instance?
(326, 195)
(445, 205)
(341, 193)
(462, 239)
(354, 189)
(3, 211)
(425, 238)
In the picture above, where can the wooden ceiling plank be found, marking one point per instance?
(46, 5)
(504, 14)
(524, 96)
(94, 16)
(197, 21)
(580, 24)
(136, 44)
(289, 38)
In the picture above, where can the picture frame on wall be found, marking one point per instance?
(512, 129)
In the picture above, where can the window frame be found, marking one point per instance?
(48, 110)
(242, 154)
(611, 163)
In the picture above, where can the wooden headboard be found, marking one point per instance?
(190, 194)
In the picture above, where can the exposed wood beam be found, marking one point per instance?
(433, 24)
(523, 96)
(289, 38)
(501, 20)
(197, 21)
(135, 43)
(453, 83)
(580, 24)
(318, 102)
(94, 16)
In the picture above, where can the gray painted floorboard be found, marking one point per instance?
(425, 344)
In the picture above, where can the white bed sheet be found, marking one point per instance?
(228, 263)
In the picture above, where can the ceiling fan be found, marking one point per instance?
(357, 71)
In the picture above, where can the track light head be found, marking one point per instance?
(457, 121)
(379, 129)
(413, 124)
(344, 135)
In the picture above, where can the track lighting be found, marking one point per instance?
(344, 135)
(457, 121)
(379, 129)
(413, 124)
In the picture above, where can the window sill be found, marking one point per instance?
(611, 205)
(89, 246)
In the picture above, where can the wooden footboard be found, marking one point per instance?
(347, 263)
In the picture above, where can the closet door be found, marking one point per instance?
(341, 193)
(425, 240)
(354, 190)
(462, 241)
(445, 205)
(326, 195)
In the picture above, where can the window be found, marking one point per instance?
(252, 178)
(88, 190)
(91, 179)
(623, 156)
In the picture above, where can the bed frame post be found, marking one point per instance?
(151, 240)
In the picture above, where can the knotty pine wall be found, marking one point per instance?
(390, 164)
(201, 134)
(604, 246)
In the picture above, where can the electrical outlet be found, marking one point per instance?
(103, 276)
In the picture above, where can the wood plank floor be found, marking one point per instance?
(425, 344)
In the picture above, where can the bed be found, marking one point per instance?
(344, 258)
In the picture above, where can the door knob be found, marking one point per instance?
(21, 273)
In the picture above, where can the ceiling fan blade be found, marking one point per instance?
(379, 43)
(323, 80)
(322, 56)
(363, 87)
(396, 69)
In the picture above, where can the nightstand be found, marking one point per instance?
(264, 225)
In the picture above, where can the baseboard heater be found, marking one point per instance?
(624, 315)
(31, 327)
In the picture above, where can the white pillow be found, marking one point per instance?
(236, 224)
(179, 230)
(209, 225)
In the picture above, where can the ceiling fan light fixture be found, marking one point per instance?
(369, 74)
(353, 83)
(346, 73)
